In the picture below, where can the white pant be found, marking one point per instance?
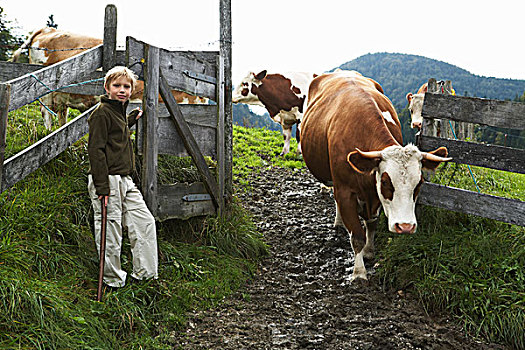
(126, 209)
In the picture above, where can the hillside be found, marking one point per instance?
(399, 74)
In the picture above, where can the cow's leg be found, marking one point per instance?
(338, 221)
(60, 102)
(371, 227)
(47, 101)
(287, 133)
(62, 115)
(348, 212)
(298, 138)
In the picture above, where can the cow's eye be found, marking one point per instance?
(387, 188)
(418, 188)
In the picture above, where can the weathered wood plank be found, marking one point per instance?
(31, 86)
(109, 57)
(173, 65)
(225, 37)
(497, 208)
(30, 159)
(220, 133)
(189, 140)
(488, 156)
(150, 146)
(172, 206)
(169, 141)
(201, 115)
(501, 114)
(5, 93)
(10, 71)
(202, 120)
(13, 70)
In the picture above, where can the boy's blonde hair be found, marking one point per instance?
(120, 71)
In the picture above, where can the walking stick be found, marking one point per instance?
(102, 247)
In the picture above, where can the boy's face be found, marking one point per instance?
(119, 89)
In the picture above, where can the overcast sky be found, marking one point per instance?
(483, 37)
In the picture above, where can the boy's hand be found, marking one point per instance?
(106, 198)
(140, 112)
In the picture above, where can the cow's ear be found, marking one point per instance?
(362, 164)
(409, 97)
(431, 160)
(261, 75)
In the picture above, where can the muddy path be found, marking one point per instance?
(300, 297)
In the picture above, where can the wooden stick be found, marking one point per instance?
(102, 256)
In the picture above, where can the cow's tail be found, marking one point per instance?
(25, 45)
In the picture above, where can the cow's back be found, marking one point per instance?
(58, 45)
(345, 112)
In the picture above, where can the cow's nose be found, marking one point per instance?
(416, 125)
(405, 228)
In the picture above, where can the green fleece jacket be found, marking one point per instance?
(109, 144)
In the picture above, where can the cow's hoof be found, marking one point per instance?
(359, 281)
(368, 255)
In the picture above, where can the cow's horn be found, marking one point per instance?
(370, 154)
(434, 158)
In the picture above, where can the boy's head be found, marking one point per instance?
(119, 82)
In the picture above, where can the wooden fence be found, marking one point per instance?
(502, 114)
(195, 130)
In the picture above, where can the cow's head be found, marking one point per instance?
(246, 91)
(415, 106)
(398, 179)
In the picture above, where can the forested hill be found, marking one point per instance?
(400, 74)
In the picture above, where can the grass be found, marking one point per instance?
(258, 148)
(49, 264)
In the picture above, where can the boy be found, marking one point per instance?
(112, 162)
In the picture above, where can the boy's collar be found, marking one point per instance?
(115, 104)
(105, 98)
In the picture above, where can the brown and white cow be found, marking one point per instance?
(48, 46)
(415, 104)
(351, 139)
(283, 95)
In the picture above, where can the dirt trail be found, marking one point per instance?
(300, 298)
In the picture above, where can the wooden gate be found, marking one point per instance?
(501, 114)
(195, 130)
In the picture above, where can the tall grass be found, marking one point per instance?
(49, 265)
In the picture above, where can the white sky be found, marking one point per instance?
(483, 37)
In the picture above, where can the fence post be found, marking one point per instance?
(430, 127)
(5, 96)
(220, 133)
(150, 120)
(225, 52)
(109, 56)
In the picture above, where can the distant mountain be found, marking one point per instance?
(400, 74)
(243, 116)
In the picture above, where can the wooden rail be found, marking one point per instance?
(504, 114)
(17, 167)
(31, 86)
